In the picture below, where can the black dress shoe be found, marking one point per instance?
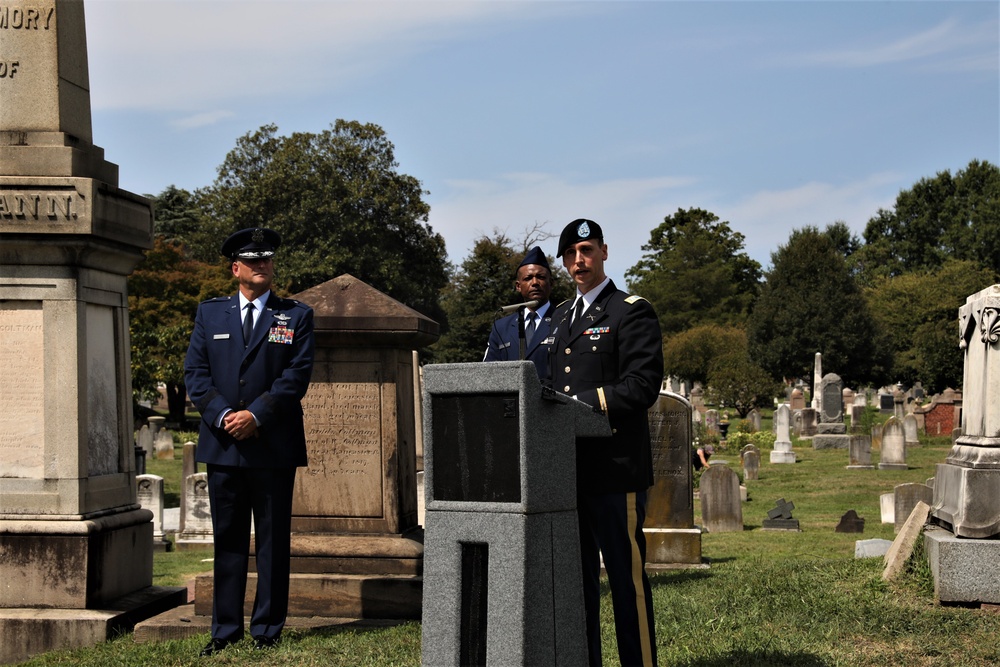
(262, 643)
(214, 646)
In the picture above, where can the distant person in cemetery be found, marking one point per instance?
(607, 352)
(534, 283)
(247, 369)
(701, 455)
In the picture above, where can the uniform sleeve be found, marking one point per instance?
(198, 374)
(640, 363)
(493, 345)
(291, 384)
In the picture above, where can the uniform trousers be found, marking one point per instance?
(235, 493)
(611, 525)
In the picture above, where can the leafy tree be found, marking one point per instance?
(810, 303)
(178, 218)
(164, 292)
(694, 271)
(484, 282)
(690, 354)
(920, 310)
(734, 380)
(340, 205)
(944, 217)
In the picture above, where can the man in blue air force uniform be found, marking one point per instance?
(534, 283)
(247, 369)
(607, 351)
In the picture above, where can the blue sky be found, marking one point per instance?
(772, 115)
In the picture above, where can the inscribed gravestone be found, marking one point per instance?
(809, 427)
(150, 496)
(797, 400)
(721, 510)
(893, 455)
(782, 452)
(145, 440)
(754, 418)
(910, 432)
(197, 532)
(671, 536)
(860, 452)
(905, 498)
(751, 465)
(712, 421)
(832, 389)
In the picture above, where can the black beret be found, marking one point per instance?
(251, 243)
(537, 257)
(580, 229)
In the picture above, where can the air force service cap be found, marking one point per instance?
(537, 257)
(580, 229)
(251, 243)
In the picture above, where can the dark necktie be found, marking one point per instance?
(248, 325)
(529, 328)
(577, 311)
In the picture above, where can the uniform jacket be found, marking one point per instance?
(505, 345)
(611, 359)
(268, 378)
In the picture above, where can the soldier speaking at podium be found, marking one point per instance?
(530, 324)
(607, 351)
(247, 369)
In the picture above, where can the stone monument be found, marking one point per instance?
(73, 538)
(782, 452)
(672, 539)
(831, 432)
(503, 583)
(963, 551)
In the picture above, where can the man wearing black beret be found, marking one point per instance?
(607, 352)
(247, 369)
(534, 283)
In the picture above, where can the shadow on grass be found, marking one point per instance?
(759, 659)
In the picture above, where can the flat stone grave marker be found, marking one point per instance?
(780, 517)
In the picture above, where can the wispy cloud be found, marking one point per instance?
(201, 120)
(950, 43)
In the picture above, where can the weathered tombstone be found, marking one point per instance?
(910, 435)
(857, 416)
(189, 466)
(721, 510)
(797, 402)
(712, 421)
(671, 536)
(144, 440)
(893, 455)
(750, 448)
(848, 400)
(809, 428)
(877, 436)
(754, 418)
(964, 551)
(850, 523)
(780, 517)
(149, 494)
(886, 404)
(697, 398)
(887, 505)
(751, 465)
(817, 399)
(502, 577)
(831, 431)
(197, 532)
(875, 548)
(163, 445)
(72, 535)
(905, 498)
(860, 453)
(782, 452)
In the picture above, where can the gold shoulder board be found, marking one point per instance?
(632, 299)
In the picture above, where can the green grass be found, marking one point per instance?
(769, 598)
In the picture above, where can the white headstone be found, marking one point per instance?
(782, 452)
(893, 455)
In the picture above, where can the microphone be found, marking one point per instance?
(507, 310)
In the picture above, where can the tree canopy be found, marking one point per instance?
(810, 303)
(694, 271)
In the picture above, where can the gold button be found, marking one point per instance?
(566, 389)
(567, 369)
(613, 431)
(568, 350)
(594, 348)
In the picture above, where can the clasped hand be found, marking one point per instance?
(241, 425)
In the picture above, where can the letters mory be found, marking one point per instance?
(26, 18)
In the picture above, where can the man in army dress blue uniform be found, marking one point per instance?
(533, 282)
(607, 351)
(247, 369)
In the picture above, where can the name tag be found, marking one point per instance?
(220, 336)
(503, 346)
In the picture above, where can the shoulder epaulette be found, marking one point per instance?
(632, 299)
(559, 305)
(218, 298)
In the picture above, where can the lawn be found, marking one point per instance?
(769, 598)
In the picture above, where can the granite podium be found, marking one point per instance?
(75, 546)
(502, 578)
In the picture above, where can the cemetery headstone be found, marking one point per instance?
(149, 494)
(782, 452)
(754, 418)
(877, 436)
(817, 399)
(796, 400)
(887, 505)
(886, 404)
(751, 465)
(910, 435)
(163, 445)
(189, 466)
(857, 416)
(197, 532)
(721, 509)
(145, 441)
(712, 421)
(906, 497)
(893, 454)
(860, 453)
(780, 517)
(671, 536)
(850, 523)
(809, 427)
(875, 548)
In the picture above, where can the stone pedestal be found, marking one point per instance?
(672, 539)
(72, 534)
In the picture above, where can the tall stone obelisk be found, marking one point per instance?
(72, 536)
